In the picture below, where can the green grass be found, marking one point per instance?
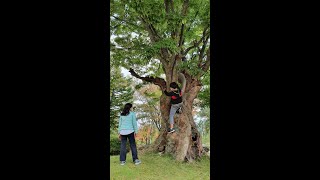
(154, 166)
(206, 140)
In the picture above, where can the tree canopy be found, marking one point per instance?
(145, 33)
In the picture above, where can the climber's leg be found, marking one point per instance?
(179, 110)
(173, 110)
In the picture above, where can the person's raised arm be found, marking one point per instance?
(167, 93)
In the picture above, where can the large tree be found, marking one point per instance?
(154, 37)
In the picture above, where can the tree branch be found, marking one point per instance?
(172, 5)
(164, 55)
(166, 5)
(186, 74)
(193, 56)
(114, 47)
(206, 66)
(190, 25)
(181, 35)
(169, 7)
(157, 81)
(151, 30)
(153, 34)
(184, 12)
(202, 50)
(193, 20)
(127, 22)
(195, 43)
(185, 7)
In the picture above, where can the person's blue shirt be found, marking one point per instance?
(128, 122)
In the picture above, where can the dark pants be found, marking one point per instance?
(123, 151)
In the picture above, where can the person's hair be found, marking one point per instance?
(126, 109)
(174, 85)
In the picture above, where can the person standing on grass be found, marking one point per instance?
(127, 130)
(176, 102)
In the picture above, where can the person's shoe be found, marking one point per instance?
(137, 161)
(171, 130)
(122, 163)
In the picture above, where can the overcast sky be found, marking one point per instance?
(125, 72)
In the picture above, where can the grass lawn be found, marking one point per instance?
(154, 166)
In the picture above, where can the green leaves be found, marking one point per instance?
(134, 23)
(204, 94)
(165, 43)
(138, 86)
(191, 66)
(184, 21)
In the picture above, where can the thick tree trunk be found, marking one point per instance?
(184, 144)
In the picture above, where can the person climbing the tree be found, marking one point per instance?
(127, 130)
(176, 102)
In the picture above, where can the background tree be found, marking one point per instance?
(204, 121)
(121, 93)
(148, 97)
(204, 94)
(147, 107)
(147, 131)
(154, 37)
